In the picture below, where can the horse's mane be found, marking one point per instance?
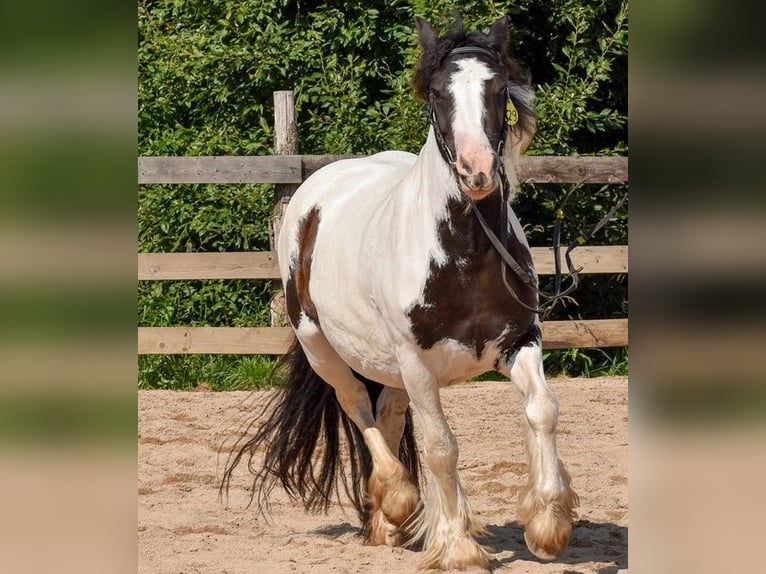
(431, 60)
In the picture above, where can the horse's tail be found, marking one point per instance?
(303, 415)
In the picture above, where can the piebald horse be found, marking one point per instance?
(395, 290)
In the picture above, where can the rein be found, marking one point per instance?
(499, 244)
(527, 278)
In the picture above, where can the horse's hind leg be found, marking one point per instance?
(392, 494)
(389, 491)
(547, 503)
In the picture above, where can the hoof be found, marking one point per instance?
(464, 555)
(376, 535)
(547, 533)
(541, 552)
(381, 532)
(548, 520)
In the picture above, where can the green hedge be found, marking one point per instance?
(207, 72)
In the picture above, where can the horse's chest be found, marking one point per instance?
(466, 302)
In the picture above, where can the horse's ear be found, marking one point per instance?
(426, 34)
(498, 34)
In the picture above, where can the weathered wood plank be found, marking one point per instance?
(295, 168)
(585, 333)
(264, 265)
(228, 265)
(276, 340)
(574, 169)
(214, 340)
(223, 169)
(312, 163)
(592, 258)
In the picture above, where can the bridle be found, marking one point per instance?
(499, 243)
(444, 149)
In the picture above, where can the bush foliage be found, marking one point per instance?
(207, 72)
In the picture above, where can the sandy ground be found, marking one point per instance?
(184, 528)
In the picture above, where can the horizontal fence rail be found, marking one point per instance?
(245, 169)
(224, 265)
(276, 340)
(263, 264)
(296, 168)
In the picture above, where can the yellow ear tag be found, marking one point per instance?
(510, 111)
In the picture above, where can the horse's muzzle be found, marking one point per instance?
(479, 185)
(477, 172)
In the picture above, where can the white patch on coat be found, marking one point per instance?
(379, 217)
(453, 362)
(467, 89)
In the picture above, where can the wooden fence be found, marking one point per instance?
(290, 170)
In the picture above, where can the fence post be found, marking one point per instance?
(285, 143)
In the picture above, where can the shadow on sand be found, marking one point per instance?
(337, 530)
(590, 542)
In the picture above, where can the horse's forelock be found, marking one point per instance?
(431, 58)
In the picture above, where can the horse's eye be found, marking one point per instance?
(436, 94)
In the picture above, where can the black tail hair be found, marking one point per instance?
(301, 416)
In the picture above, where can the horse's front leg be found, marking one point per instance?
(546, 505)
(447, 525)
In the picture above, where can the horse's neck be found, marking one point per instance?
(431, 182)
(432, 185)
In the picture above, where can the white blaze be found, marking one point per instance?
(471, 143)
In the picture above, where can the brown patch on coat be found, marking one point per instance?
(465, 299)
(297, 296)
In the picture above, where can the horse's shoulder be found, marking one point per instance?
(358, 171)
(393, 157)
(380, 165)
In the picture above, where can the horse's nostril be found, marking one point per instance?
(478, 181)
(465, 166)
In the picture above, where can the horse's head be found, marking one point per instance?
(468, 80)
